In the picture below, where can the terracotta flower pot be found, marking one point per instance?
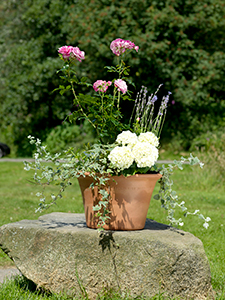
(130, 199)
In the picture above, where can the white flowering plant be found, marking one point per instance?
(122, 149)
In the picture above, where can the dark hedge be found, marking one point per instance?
(182, 45)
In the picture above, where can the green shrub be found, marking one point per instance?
(64, 136)
(181, 45)
(212, 152)
(208, 140)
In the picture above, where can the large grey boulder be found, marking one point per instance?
(59, 253)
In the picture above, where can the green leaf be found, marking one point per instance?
(157, 197)
(96, 207)
(83, 79)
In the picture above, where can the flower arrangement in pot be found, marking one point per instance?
(118, 173)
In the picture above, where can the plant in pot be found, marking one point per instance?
(117, 174)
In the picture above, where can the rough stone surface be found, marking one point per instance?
(58, 252)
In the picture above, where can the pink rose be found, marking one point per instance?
(121, 85)
(70, 51)
(101, 85)
(119, 46)
(65, 51)
(79, 55)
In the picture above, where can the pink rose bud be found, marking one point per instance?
(101, 85)
(119, 46)
(70, 51)
(79, 55)
(65, 51)
(121, 85)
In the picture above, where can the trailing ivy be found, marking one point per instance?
(59, 169)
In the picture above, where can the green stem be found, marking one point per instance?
(77, 100)
(102, 96)
(114, 96)
(121, 69)
(80, 107)
(118, 103)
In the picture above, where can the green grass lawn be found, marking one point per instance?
(198, 188)
(18, 198)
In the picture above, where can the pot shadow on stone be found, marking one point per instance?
(62, 220)
(153, 225)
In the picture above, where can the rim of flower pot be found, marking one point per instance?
(155, 174)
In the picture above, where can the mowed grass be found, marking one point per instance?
(197, 187)
(18, 198)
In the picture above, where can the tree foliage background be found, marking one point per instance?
(182, 45)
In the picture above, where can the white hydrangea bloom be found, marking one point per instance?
(127, 138)
(145, 154)
(149, 137)
(121, 157)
